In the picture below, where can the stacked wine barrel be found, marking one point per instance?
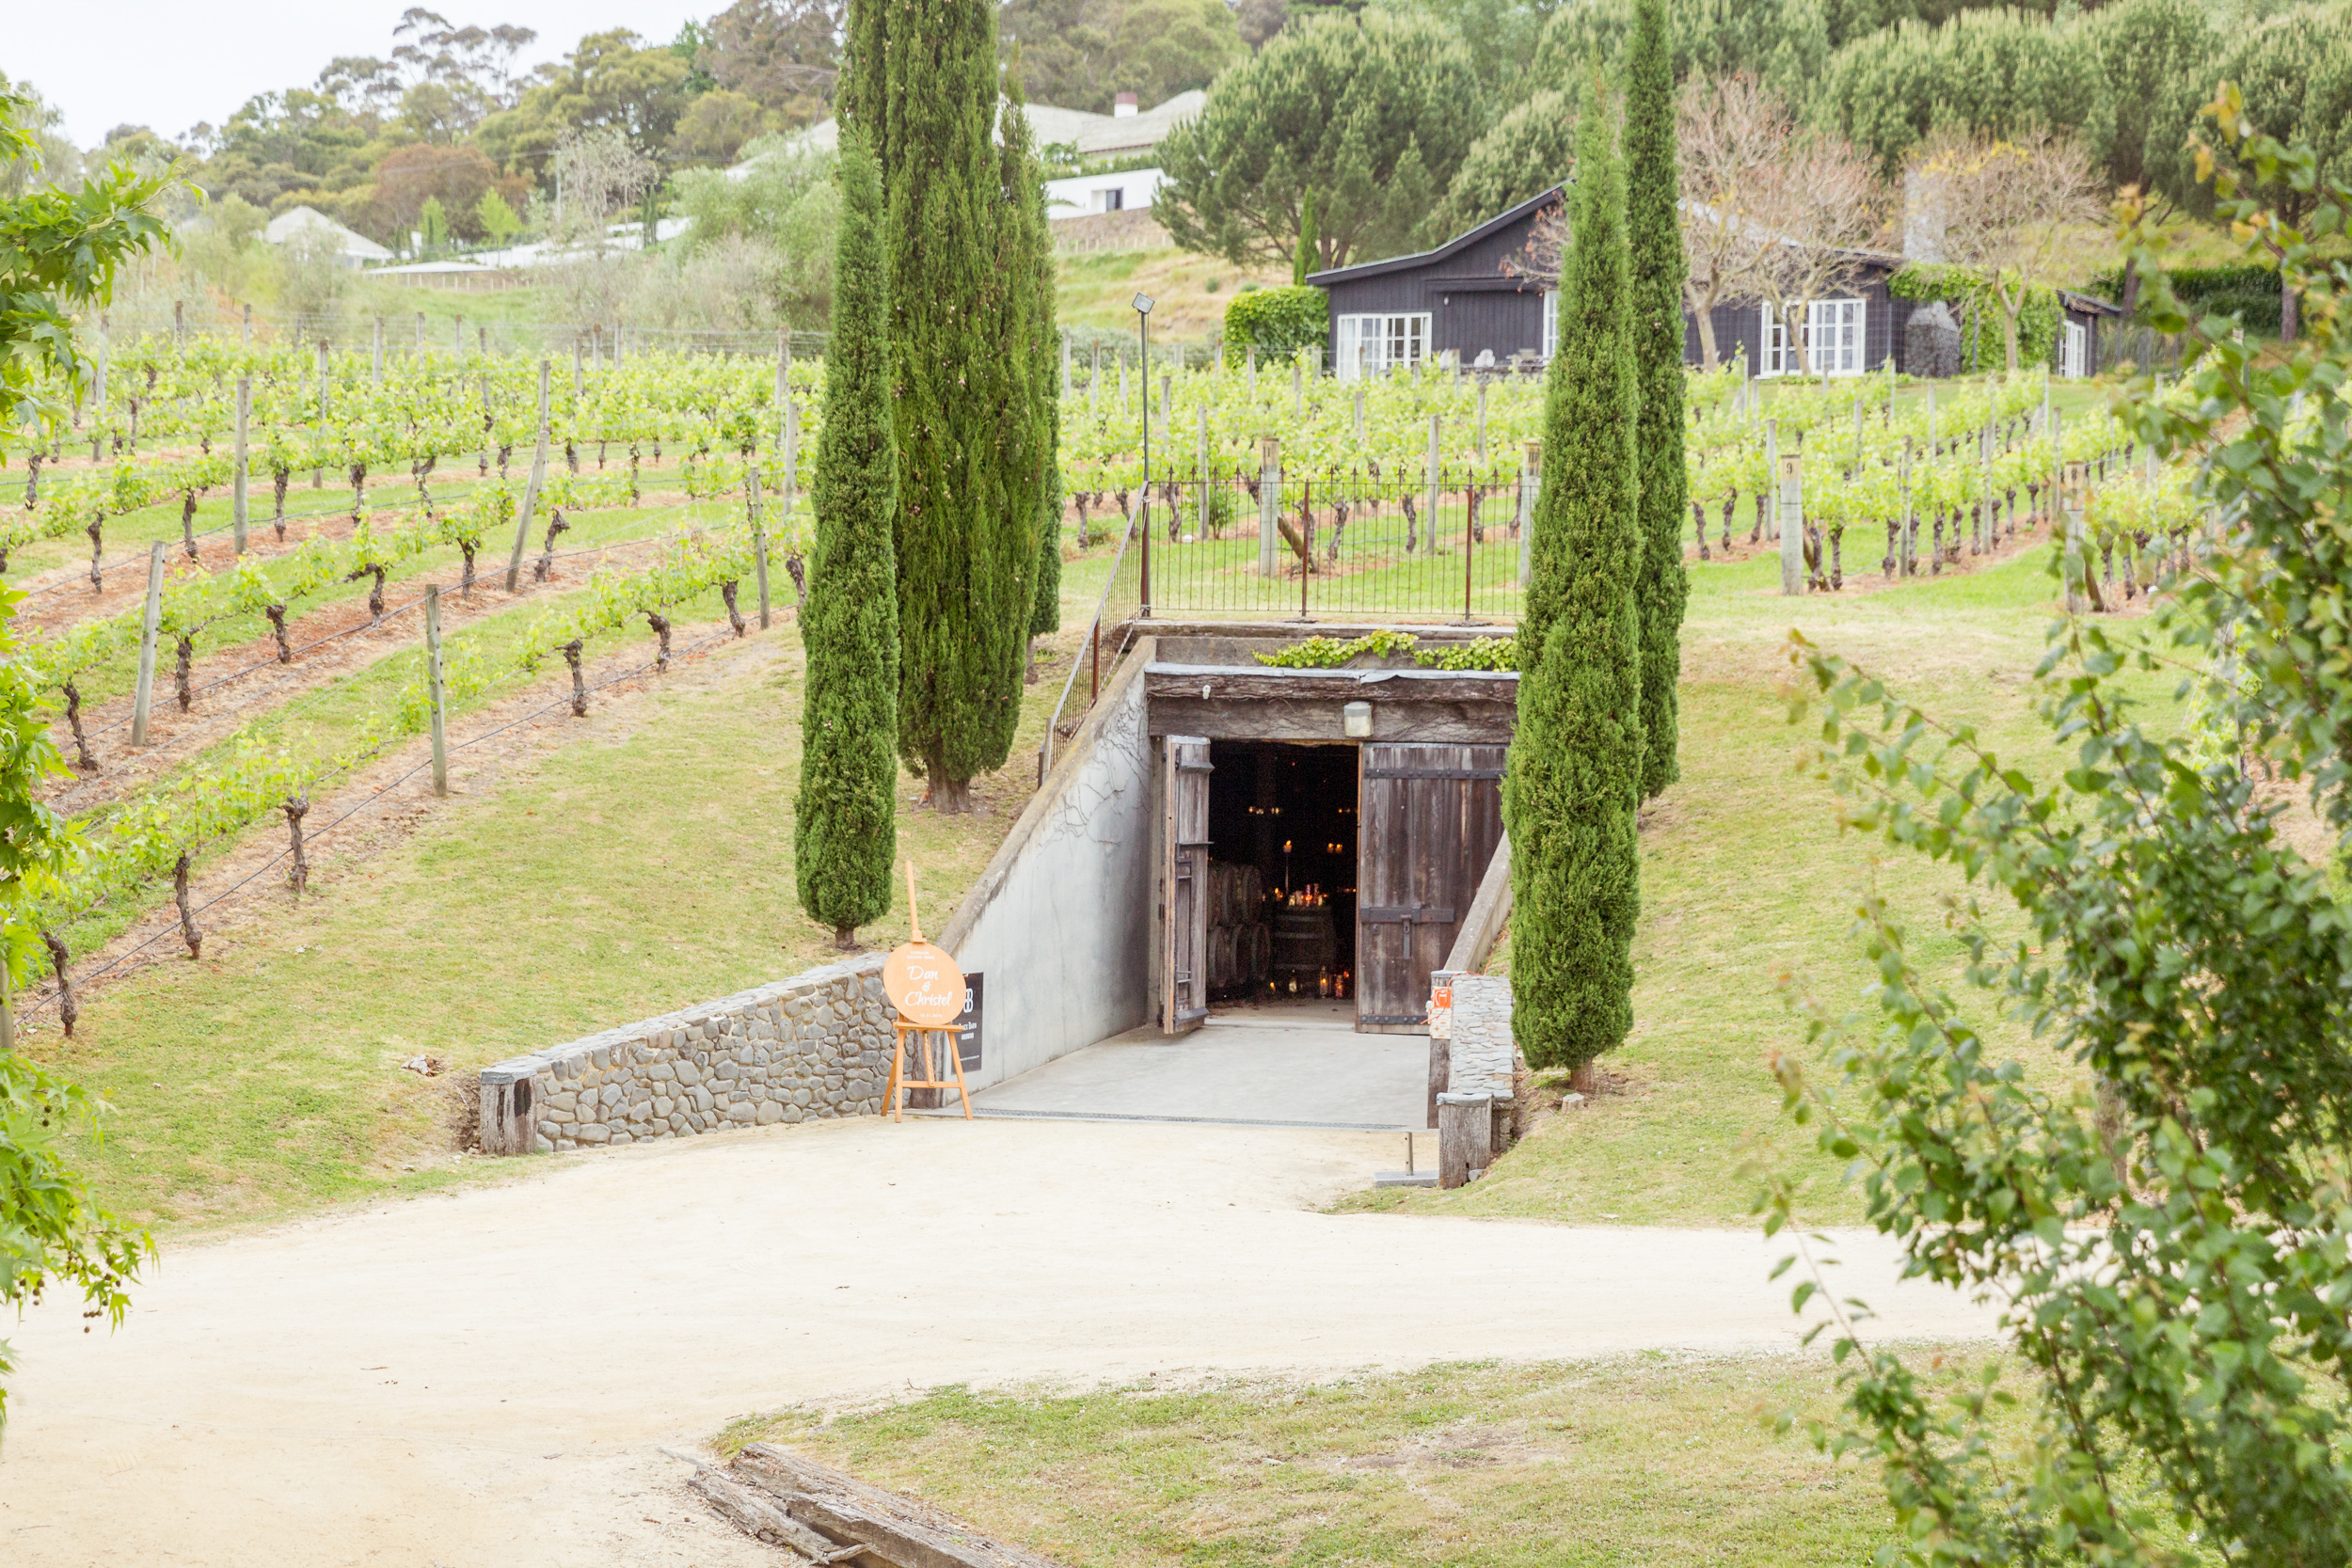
(1241, 944)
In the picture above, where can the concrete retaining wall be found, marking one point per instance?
(1059, 923)
(815, 1045)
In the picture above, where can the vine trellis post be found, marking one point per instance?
(1269, 501)
(531, 495)
(432, 687)
(1530, 486)
(237, 497)
(760, 542)
(145, 693)
(1790, 473)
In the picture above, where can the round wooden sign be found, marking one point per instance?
(924, 984)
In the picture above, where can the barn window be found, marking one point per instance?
(1552, 324)
(1833, 338)
(1372, 345)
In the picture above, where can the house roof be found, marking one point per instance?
(1430, 258)
(2089, 304)
(304, 220)
(1094, 135)
(1461, 242)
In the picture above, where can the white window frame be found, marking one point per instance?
(2073, 351)
(1372, 342)
(1838, 327)
(1552, 324)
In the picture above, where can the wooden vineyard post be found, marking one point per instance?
(2057, 461)
(1772, 467)
(1791, 509)
(1469, 539)
(1359, 413)
(575, 368)
(318, 476)
(1298, 387)
(377, 370)
(1307, 542)
(1904, 564)
(783, 373)
(420, 332)
(1202, 471)
(760, 542)
(432, 687)
(531, 495)
(1480, 447)
(1269, 502)
(789, 487)
(146, 690)
(1430, 533)
(248, 327)
(1253, 353)
(1530, 486)
(2070, 499)
(237, 490)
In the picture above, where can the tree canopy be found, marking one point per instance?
(1368, 112)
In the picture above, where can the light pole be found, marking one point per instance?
(1143, 339)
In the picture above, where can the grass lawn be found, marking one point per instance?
(641, 863)
(1188, 293)
(1650, 1459)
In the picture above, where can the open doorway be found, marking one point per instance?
(1281, 903)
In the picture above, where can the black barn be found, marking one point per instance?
(1458, 297)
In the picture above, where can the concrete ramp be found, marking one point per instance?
(1298, 1066)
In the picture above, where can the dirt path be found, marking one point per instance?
(490, 1376)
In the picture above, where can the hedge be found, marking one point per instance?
(2247, 291)
(1279, 321)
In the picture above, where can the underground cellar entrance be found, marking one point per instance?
(1318, 878)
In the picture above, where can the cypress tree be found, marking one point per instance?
(1654, 238)
(923, 84)
(1573, 783)
(845, 829)
(1034, 247)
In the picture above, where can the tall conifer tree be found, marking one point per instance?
(1032, 251)
(845, 830)
(1654, 237)
(1573, 783)
(923, 84)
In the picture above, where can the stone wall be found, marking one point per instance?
(815, 1045)
(1483, 1052)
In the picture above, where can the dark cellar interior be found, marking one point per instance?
(1283, 867)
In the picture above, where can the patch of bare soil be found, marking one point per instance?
(380, 804)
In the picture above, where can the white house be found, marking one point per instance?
(355, 248)
(1126, 129)
(1078, 195)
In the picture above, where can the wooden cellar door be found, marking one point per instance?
(1185, 886)
(1428, 821)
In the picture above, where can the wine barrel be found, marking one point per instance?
(1261, 952)
(1222, 973)
(1304, 943)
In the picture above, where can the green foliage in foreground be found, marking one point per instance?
(2173, 1250)
(1572, 786)
(844, 821)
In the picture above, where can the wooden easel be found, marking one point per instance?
(922, 1033)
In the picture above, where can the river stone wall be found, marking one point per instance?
(815, 1045)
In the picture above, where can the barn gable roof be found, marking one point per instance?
(1453, 246)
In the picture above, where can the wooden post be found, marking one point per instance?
(789, 492)
(248, 327)
(575, 357)
(1530, 486)
(1429, 533)
(1253, 373)
(1201, 471)
(237, 484)
(432, 687)
(317, 477)
(1440, 1043)
(146, 692)
(760, 542)
(1772, 467)
(1482, 421)
(1167, 398)
(2058, 462)
(531, 495)
(1298, 387)
(420, 332)
(1791, 525)
(1269, 502)
(2069, 498)
(458, 344)
(379, 352)
(1360, 414)
(1465, 1130)
(1904, 564)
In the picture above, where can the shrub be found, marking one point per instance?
(1279, 321)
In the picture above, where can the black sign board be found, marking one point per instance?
(967, 1025)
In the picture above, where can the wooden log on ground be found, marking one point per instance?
(897, 1530)
(1465, 1125)
(763, 1518)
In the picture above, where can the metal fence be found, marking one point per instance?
(1341, 547)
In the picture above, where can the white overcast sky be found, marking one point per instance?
(171, 63)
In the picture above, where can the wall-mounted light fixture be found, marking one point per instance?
(1356, 720)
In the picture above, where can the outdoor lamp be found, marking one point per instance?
(1356, 720)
